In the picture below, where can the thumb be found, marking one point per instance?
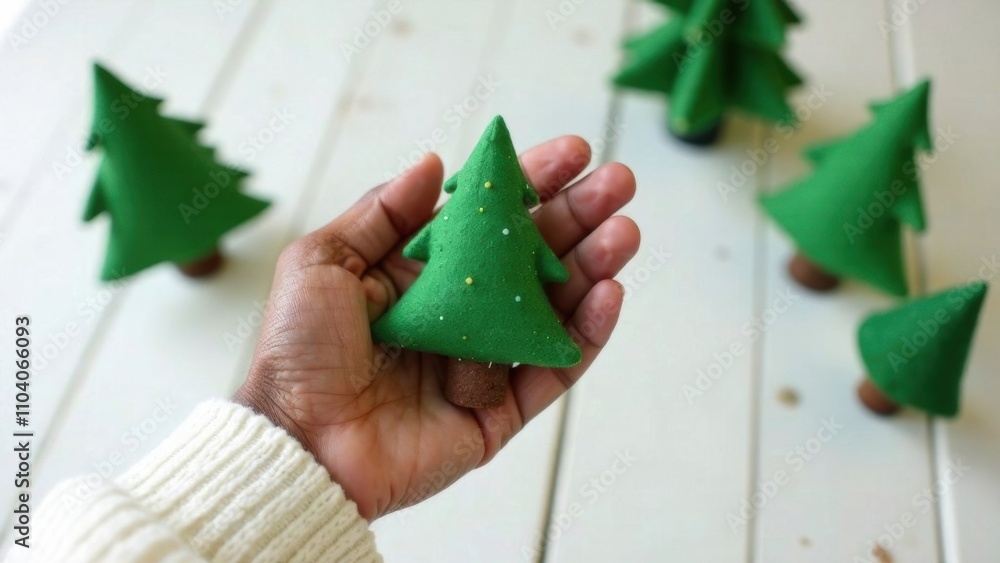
(382, 217)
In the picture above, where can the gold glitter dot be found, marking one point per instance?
(489, 185)
(465, 337)
(468, 281)
(480, 209)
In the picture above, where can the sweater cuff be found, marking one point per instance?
(236, 487)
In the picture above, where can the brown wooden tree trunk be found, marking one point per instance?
(703, 138)
(202, 267)
(475, 384)
(811, 276)
(873, 398)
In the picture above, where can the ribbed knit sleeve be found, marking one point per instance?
(226, 486)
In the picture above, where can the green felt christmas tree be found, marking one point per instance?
(480, 297)
(847, 216)
(169, 200)
(713, 55)
(916, 353)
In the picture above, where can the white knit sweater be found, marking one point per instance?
(226, 486)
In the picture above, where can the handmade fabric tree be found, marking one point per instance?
(168, 198)
(713, 55)
(916, 353)
(480, 299)
(846, 218)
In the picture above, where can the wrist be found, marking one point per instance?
(255, 397)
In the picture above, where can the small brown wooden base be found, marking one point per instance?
(703, 138)
(875, 400)
(203, 267)
(475, 384)
(811, 276)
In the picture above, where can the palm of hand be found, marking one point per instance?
(375, 416)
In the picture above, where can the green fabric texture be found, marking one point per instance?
(712, 55)
(480, 295)
(916, 353)
(168, 199)
(847, 216)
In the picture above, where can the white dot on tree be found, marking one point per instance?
(506, 231)
(517, 298)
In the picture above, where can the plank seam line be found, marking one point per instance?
(561, 443)
(312, 185)
(495, 34)
(330, 139)
(235, 58)
(760, 285)
(902, 63)
(562, 427)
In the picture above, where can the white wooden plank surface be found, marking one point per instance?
(275, 76)
(843, 487)
(44, 65)
(951, 44)
(648, 474)
(57, 258)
